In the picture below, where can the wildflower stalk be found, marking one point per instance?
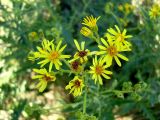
(116, 18)
(85, 100)
(66, 63)
(65, 71)
(97, 37)
(85, 96)
(99, 114)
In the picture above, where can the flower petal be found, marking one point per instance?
(77, 45)
(122, 57)
(58, 46)
(104, 42)
(82, 45)
(102, 47)
(117, 61)
(61, 50)
(50, 66)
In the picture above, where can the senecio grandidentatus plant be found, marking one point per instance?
(111, 49)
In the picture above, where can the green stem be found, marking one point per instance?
(116, 18)
(65, 71)
(66, 63)
(97, 37)
(99, 114)
(84, 101)
(85, 78)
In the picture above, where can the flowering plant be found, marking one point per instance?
(111, 47)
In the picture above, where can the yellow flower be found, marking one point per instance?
(154, 11)
(82, 52)
(45, 45)
(35, 55)
(99, 70)
(51, 53)
(76, 85)
(31, 56)
(128, 8)
(111, 50)
(33, 36)
(91, 22)
(86, 32)
(76, 66)
(120, 7)
(44, 77)
(118, 36)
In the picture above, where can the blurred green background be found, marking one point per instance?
(61, 19)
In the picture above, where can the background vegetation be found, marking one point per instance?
(61, 19)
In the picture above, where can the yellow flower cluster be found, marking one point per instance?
(76, 85)
(126, 8)
(110, 48)
(116, 43)
(154, 11)
(77, 65)
(44, 77)
(48, 53)
(90, 27)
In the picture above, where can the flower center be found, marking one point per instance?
(112, 50)
(54, 55)
(47, 78)
(75, 65)
(82, 53)
(77, 83)
(99, 69)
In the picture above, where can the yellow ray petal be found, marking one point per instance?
(61, 50)
(57, 66)
(102, 47)
(52, 45)
(43, 86)
(108, 72)
(96, 60)
(77, 45)
(50, 66)
(104, 42)
(58, 46)
(37, 76)
(100, 80)
(101, 52)
(40, 71)
(112, 31)
(82, 45)
(124, 32)
(105, 76)
(118, 29)
(108, 60)
(65, 56)
(122, 57)
(117, 61)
